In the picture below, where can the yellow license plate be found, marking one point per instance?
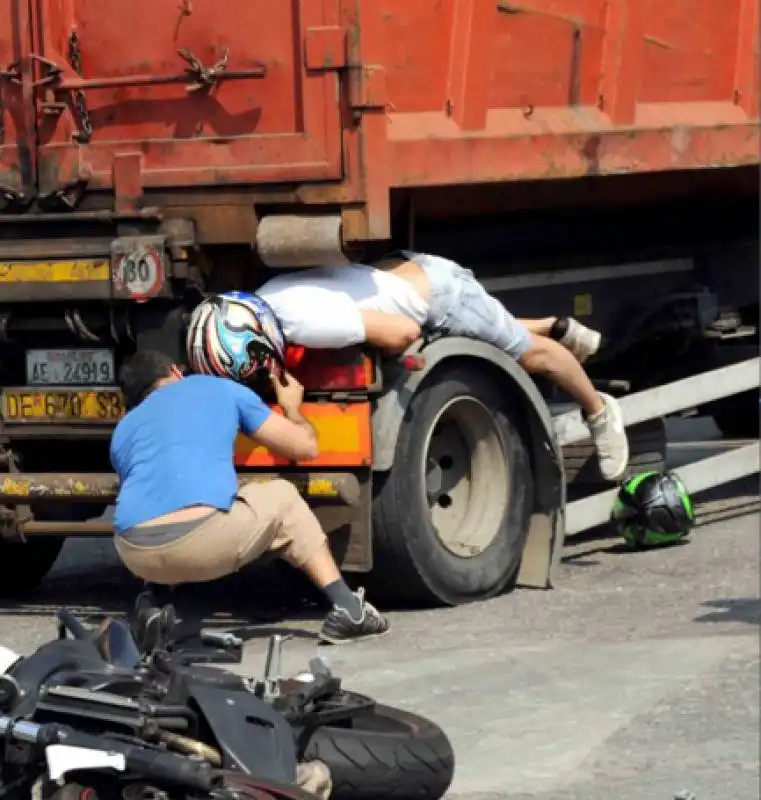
(62, 405)
(54, 271)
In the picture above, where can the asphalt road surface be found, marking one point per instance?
(637, 678)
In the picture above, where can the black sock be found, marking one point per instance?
(341, 596)
(559, 328)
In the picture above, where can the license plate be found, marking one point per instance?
(54, 271)
(62, 405)
(76, 367)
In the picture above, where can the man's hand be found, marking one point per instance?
(288, 391)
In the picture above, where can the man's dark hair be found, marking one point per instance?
(140, 373)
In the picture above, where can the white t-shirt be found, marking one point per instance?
(321, 307)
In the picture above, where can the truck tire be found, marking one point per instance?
(385, 753)
(445, 531)
(24, 565)
(647, 451)
(738, 417)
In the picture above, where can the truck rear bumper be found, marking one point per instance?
(341, 501)
(333, 488)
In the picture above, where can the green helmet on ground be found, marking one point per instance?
(653, 509)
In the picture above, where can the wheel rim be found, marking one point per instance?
(466, 477)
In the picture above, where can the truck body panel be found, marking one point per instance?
(205, 94)
(346, 99)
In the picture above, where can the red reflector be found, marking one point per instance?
(330, 370)
(294, 355)
(335, 378)
(413, 363)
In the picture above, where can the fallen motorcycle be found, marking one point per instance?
(89, 715)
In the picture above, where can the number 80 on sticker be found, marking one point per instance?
(139, 273)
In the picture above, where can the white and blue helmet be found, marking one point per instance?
(234, 335)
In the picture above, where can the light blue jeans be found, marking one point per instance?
(460, 306)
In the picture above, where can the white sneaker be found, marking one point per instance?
(609, 435)
(583, 342)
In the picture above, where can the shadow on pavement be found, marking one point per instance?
(742, 609)
(252, 604)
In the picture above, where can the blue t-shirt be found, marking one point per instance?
(176, 448)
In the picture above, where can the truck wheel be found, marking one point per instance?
(385, 753)
(738, 417)
(24, 565)
(451, 517)
(647, 451)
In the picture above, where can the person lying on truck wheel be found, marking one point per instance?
(181, 516)
(388, 305)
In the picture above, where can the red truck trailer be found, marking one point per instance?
(590, 157)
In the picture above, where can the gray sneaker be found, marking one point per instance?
(340, 628)
(581, 341)
(609, 435)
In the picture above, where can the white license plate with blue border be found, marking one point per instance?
(70, 367)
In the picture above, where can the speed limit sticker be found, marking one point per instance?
(139, 273)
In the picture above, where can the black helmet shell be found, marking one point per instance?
(654, 508)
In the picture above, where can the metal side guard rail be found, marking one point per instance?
(694, 391)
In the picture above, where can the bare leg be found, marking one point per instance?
(547, 357)
(603, 415)
(321, 568)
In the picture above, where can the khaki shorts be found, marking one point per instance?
(265, 517)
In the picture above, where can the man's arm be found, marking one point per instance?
(392, 333)
(291, 435)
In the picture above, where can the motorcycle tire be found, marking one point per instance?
(385, 753)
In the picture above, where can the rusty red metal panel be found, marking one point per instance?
(620, 68)
(748, 62)
(469, 62)
(17, 124)
(575, 87)
(546, 53)
(690, 50)
(433, 155)
(346, 99)
(210, 93)
(325, 47)
(369, 106)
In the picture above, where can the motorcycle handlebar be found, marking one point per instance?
(152, 764)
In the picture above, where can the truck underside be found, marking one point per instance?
(670, 285)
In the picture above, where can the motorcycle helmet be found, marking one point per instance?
(234, 335)
(653, 508)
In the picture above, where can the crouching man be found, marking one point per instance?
(181, 516)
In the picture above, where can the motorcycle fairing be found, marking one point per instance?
(252, 736)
